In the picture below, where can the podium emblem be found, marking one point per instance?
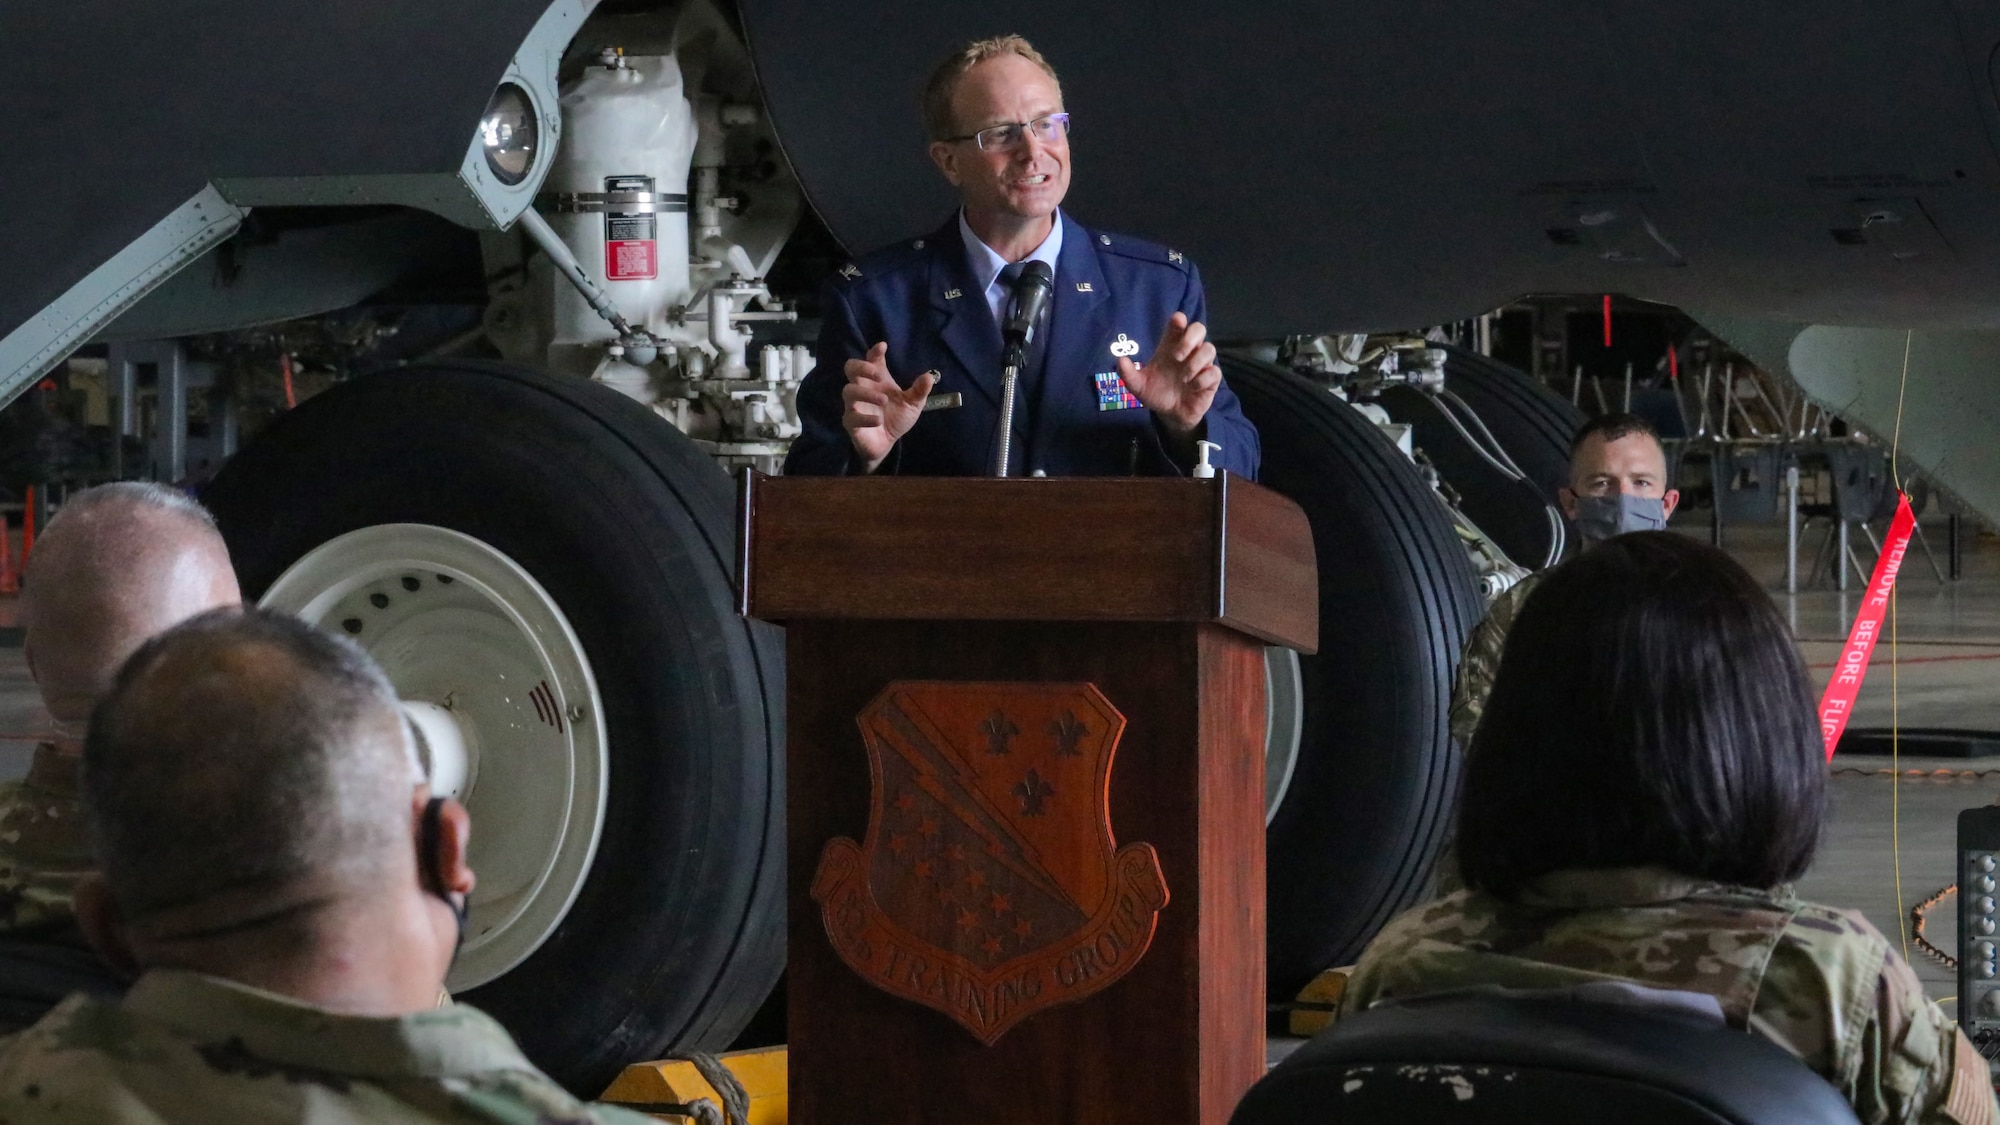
(989, 886)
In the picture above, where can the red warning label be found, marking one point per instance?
(635, 259)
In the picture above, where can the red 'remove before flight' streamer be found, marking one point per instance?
(1837, 704)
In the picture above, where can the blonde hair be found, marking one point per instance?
(938, 91)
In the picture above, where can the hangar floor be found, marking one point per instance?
(1946, 673)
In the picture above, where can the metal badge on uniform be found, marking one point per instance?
(1084, 287)
(948, 401)
(850, 271)
(1124, 347)
(1173, 255)
(1113, 394)
(951, 294)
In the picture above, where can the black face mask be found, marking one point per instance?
(431, 875)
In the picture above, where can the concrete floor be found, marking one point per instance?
(1946, 669)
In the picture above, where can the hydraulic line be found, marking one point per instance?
(1502, 463)
(1498, 449)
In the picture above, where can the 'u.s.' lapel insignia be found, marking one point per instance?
(951, 294)
(1084, 287)
(990, 886)
(850, 271)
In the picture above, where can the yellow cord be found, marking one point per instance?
(1895, 665)
(1896, 439)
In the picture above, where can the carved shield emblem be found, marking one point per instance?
(990, 886)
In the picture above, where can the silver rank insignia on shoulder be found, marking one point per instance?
(951, 294)
(1174, 255)
(1124, 346)
(850, 271)
(1084, 287)
(1105, 239)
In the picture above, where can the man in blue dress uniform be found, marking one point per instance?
(923, 317)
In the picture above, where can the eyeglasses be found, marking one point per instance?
(1001, 138)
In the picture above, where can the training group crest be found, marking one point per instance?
(989, 886)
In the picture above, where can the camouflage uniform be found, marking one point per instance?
(44, 849)
(1819, 982)
(182, 1047)
(1481, 659)
(1476, 669)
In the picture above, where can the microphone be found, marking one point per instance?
(1031, 295)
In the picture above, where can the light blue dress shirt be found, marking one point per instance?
(986, 265)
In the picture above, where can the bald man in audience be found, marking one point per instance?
(290, 952)
(118, 564)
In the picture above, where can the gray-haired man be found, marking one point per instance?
(118, 564)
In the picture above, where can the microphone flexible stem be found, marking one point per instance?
(1004, 435)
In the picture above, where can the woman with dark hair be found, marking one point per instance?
(1647, 780)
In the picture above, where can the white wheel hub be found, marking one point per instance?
(504, 703)
(444, 755)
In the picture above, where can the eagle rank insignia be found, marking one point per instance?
(989, 886)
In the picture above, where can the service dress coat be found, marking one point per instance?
(1113, 296)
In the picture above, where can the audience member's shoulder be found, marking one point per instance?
(1460, 912)
(87, 1060)
(533, 1097)
(505, 1085)
(1830, 928)
(1826, 954)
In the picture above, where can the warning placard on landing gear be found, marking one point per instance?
(631, 237)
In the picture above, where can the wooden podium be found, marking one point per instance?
(978, 672)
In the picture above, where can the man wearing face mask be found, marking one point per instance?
(288, 899)
(1617, 483)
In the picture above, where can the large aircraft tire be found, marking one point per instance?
(676, 930)
(1376, 776)
(1533, 424)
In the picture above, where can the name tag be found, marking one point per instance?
(1113, 394)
